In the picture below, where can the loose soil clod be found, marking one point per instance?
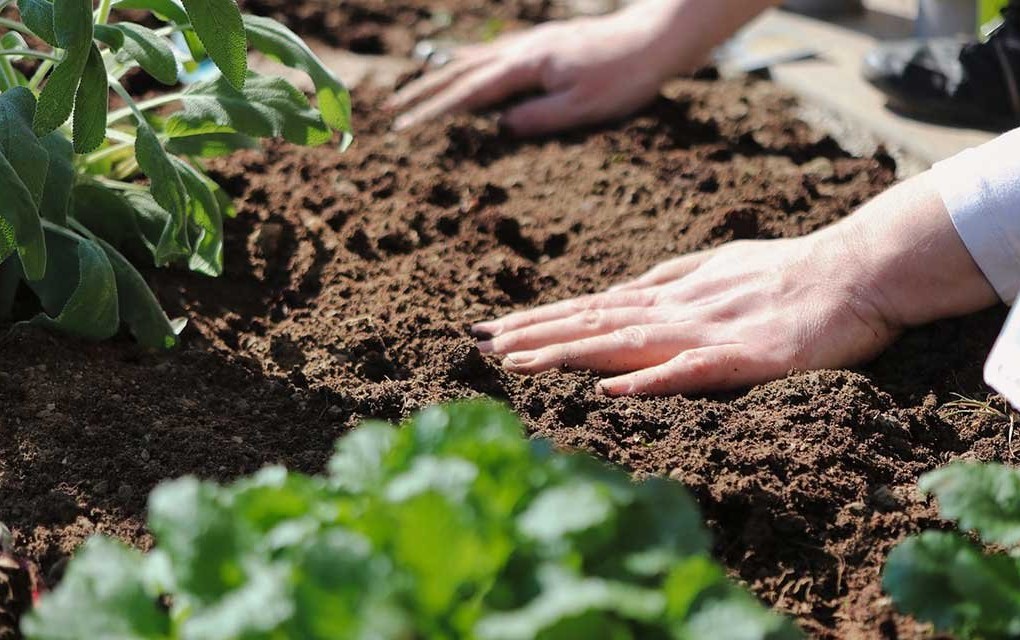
(351, 281)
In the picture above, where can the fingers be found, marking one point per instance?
(711, 368)
(627, 349)
(430, 83)
(547, 114)
(666, 272)
(479, 88)
(587, 324)
(564, 309)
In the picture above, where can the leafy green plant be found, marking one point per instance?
(947, 579)
(454, 526)
(84, 185)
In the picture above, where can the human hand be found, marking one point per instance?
(751, 311)
(590, 69)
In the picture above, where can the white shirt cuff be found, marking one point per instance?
(981, 190)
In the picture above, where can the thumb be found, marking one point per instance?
(548, 114)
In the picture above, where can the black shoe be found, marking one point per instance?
(951, 80)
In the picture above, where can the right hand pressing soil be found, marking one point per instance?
(752, 311)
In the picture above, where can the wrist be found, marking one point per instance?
(906, 256)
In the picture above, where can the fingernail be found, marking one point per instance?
(485, 330)
(616, 387)
(403, 122)
(522, 359)
(486, 346)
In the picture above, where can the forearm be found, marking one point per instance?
(914, 260)
(684, 32)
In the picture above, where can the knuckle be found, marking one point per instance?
(697, 365)
(592, 319)
(632, 337)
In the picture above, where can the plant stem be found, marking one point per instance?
(14, 25)
(119, 185)
(8, 79)
(109, 152)
(29, 53)
(144, 105)
(39, 74)
(104, 12)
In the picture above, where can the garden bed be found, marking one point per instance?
(351, 279)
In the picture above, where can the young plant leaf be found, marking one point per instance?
(982, 497)
(79, 290)
(38, 17)
(105, 594)
(266, 107)
(91, 103)
(163, 9)
(280, 43)
(131, 226)
(148, 49)
(219, 26)
(19, 144)
(944, 579)
(73, 31)
(21, 226)
(168, 191)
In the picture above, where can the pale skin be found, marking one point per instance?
(739, 315)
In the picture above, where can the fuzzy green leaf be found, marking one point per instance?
(133, 223)
(168, 191)
(139, 308)
(73, 31)
(38, 17)
(210, 145)
(169, 9)
(219, 26)
(738, 617)
(944, 579)
(19, 144)
(982, 497)
(79, 291)
(280, 43)
(91, 104)
(59, 178)
(103, 595)
(266, 107)
(149, 50)
(204, 212)
(21, 226)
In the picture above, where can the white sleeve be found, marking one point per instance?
(981, 189)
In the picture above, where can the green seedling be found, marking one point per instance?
(453, 526)
(946, 578)
(85, 185)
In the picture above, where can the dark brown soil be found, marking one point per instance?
(351, 279)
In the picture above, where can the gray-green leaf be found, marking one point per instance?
(79, 291)
(149, 50)
(59, 178)
(21, 226)
(220, 27)
(19, 144)
(168, 9)
(168, 191)
(38, 17)
(266, 107)
(278, 42)
(91, 103)
(73, 31)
